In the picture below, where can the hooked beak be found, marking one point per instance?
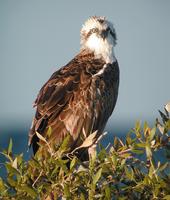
(104, 34)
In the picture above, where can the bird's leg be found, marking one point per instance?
(92, 151)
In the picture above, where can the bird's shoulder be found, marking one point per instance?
(77, 71)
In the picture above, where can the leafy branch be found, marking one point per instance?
(129, 169)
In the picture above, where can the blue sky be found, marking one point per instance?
(37, 37)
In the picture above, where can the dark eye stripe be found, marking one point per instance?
(93, 30)
(96, 30)
(113, 34)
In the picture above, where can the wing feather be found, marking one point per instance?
(72, 101)
(59, 104)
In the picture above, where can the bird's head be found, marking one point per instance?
(98, 35)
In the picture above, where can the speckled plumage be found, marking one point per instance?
(79, 96)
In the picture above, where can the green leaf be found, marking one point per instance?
(137, 151)
(73, 162)
(152, 133)
(163, 166)
(11, 181)
(102, 154)
(145, 126)
(10, 147)
(62, 164)
(2, 186)
(168, 124)
(29, 190)
(107, 192)
(64, 145)
(97, 176)
(49, 131)
(129, 173)
(140, 145)
(11, 169)
(167, 197)
(148, 151)
(128, 139)
(82, 197)
(114, 159)
(34, 163)
(137, 126)
(67, 193)
(116, 143)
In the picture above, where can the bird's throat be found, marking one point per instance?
(102, 48)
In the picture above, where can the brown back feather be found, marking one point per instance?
(73, 99)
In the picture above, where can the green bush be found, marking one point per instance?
(128, 169)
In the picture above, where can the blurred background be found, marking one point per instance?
(38, 37)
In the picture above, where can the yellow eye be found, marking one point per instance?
(94, 30)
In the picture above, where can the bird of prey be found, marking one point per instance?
(81, 95)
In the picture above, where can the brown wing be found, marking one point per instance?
(63, 104)
(70, 101)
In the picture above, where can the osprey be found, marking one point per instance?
(81, 95)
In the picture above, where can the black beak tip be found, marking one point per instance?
(104, 34)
